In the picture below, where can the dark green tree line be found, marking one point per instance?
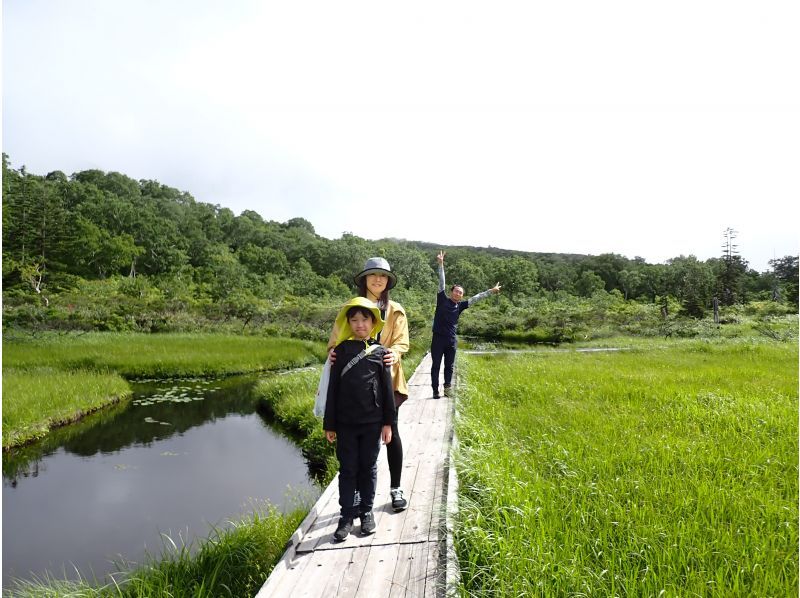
(63, 236)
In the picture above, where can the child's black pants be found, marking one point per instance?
(357, 449)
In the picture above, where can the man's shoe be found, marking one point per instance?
(398, 502)
(448, 391)
(367, 523)
(343, 529)
(436, 394)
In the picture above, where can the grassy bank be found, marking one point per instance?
(669, 469)
(57, 379)
(38, 399)
(160, 355)
(232, 562)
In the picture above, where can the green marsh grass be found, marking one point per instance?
(668, 470)
(234, 561)
(57, 379)
(162, 355)
(38, 399)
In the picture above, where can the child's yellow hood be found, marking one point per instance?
(341, 320)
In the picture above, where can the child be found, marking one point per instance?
(359, 411)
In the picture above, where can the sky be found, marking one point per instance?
(637, 128)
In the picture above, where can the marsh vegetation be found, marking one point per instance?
(670, 468)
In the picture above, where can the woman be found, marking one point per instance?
(374, 283)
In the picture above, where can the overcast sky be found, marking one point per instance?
(635, 127)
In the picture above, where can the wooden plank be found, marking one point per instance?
(284, 577)
(418, 570)
(348, 586)
(434, 586)
(332, 568)
(322, 571)
(376, 579)
(404, 556)
(402, 570)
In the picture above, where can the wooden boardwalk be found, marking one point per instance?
(409, 553)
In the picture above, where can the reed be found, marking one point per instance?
(670, 469)
(234, 561)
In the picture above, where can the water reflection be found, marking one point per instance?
(108, 486)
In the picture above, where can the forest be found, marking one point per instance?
(101, 251)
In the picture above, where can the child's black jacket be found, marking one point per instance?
(364, 394)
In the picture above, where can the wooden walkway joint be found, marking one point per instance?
(410, 554)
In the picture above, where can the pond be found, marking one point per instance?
(178, 458)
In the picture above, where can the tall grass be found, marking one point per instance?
(662, 471)
(162, 355)
(233, 562)
(38, 399)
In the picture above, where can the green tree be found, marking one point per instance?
(607, 266)
(470, 275)
(785, 270)
(263, 260)
(692, 283)
(411, 266)
(588, 284)
(517, 276)
(730, 273)
(556, 275)
(630, 280)
(224, 274)
(343, 257)
(95, 252)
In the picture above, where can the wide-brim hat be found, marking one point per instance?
(377, 265)
(341, 320)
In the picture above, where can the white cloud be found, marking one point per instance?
(574, 127)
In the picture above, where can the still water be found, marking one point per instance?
(178, 458)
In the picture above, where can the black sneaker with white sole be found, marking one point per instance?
(399, 503)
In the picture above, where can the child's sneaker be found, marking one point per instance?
(398, 502)
(367, 523)
(343, 529)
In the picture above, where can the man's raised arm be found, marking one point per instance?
(440, 257)
(484, 295)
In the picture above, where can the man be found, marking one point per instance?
(445, 321)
